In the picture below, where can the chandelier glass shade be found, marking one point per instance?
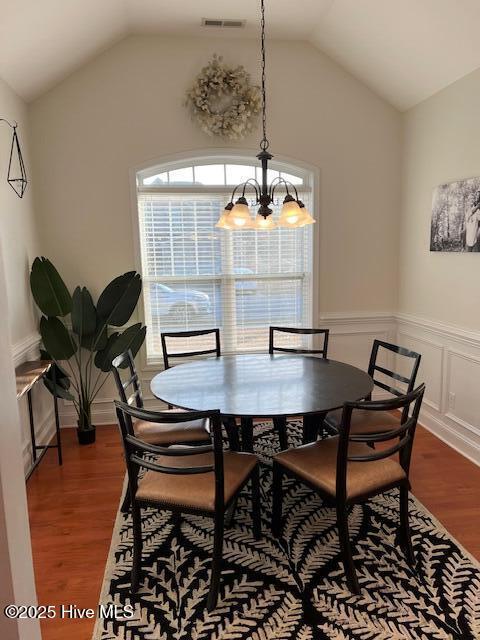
(236, 215)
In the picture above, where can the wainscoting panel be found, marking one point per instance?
(463, 380)
(431, 365)
(451, 369)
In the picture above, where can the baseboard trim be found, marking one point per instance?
(462, 445)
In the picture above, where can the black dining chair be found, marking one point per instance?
(345, 470)
(169, 336)
(272, 347)
(197, 479)
(184, 432)
(381, 421)
(158, 433)
(280, 423)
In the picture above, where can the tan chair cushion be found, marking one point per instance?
(195, 490)
(165, 433)
(317, 464)
(366, 421)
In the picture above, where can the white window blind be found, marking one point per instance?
(196, 276)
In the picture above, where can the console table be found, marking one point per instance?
(27, 375)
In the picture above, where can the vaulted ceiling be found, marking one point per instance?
(405, 50)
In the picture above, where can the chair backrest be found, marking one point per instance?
(135, 449)
(299, 331)
(125, 361)
(374, 367)
(402, 436)
(186, 354)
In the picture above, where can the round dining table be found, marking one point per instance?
(263, 386)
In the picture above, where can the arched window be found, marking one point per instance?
(196, 276)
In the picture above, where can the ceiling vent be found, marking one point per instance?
(217, 22)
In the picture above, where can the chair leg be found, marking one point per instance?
(277, 499)
(230, 514)
(137, 547)
(256, 513)
(309, 429)
(405, 538)
(127, 502)
(280, 425)
(346, 549)
(231, 428)
(177, 522)
(216, 561)
(247, 435)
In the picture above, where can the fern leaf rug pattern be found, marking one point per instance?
(293, 588)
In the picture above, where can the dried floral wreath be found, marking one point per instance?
(223, 101)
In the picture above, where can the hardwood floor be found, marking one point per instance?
(72, 511)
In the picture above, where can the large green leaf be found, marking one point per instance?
(48, 289)
(132, 338)
(61, 392)
(119, 299)
(61, 375)
(103, 361)
(98, 339)
(84, 316)
(56, 338)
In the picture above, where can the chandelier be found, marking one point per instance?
(294, 214)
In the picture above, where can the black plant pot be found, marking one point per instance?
(86, 436)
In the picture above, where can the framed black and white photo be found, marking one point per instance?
(456, 216)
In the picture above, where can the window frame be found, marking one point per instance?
(311, 179)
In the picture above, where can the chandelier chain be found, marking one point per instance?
(264, 144)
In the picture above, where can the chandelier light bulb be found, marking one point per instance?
(306, 216)
(291, 214)
(264, 224)
(239, 217)
(223, 221)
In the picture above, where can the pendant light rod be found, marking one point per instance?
(264, 144)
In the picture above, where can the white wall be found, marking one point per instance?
(440, 145)
(17, 222)
(16, 571)
(19, 237)
(126, 107)
(439, 301)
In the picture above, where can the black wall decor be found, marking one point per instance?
(16, 175)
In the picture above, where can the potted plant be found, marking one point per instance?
(80, 337)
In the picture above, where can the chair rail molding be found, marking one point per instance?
(26, 348)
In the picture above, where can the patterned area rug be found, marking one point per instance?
(293, 588)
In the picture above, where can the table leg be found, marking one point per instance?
(231, 428)
(247, 434)
(280, 424)
(312, 426)
(32, 427)
(57, 420)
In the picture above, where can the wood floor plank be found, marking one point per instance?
(72, 511)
